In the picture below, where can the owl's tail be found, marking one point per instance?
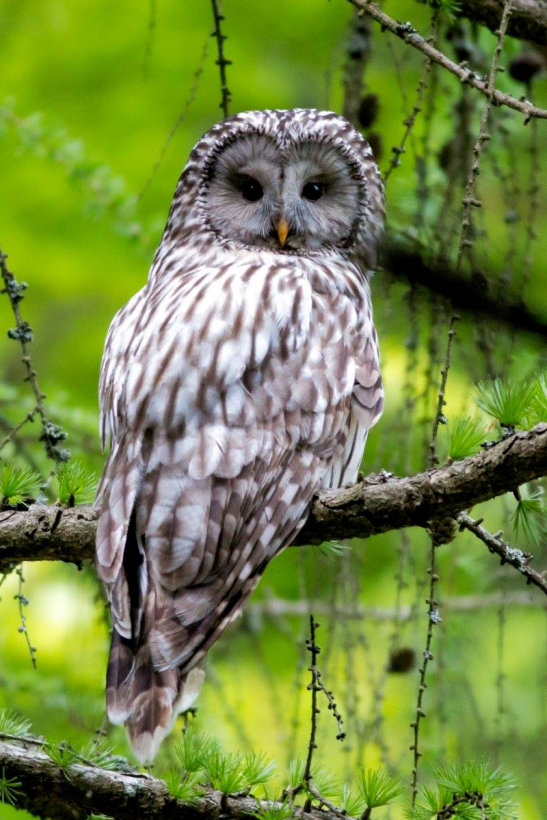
(146, 700)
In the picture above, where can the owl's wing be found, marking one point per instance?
(228, 396)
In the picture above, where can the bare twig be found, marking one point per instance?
(411, 119)
(221, 62)
(51, 434)
(470, 200)
(407, 33)
(434, 618)
(316, 685)
(22, 602)
(439, 413)
(509, 555)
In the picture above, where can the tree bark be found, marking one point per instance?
(377, 504)
(75, 792)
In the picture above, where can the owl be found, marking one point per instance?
(238, 382)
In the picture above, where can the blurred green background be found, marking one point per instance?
(100, 104)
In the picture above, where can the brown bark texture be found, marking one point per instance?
(378, 504)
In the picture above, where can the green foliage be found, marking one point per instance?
(295, 773)
(62, 754)
(202, 759)
(104, 190)
(13, 724)
(272, 810)
(529, 516)
(377, 788)
(465, 436)
(468, 791)
(351, 802)
(332, 549)
(184, 787)
(235, 773)
(75, 484)
(9, 788)
(191, 750)
(258, 768)
(538, 405)
(325, 781)
(103, 756)
(18, 485)
(509, 402)
(448, 8)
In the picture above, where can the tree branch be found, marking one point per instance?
(77, 791)
(467, 293)
(406, 32)
(377, 504)
(528, 17)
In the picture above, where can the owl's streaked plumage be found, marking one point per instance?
(239, 381)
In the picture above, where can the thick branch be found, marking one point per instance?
(467, 293)
(407, 33)
(77, 791)
(528, 17)
(376, 505)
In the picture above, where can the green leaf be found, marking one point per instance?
(186, 787)
(377, 788)
(12, 724)
(258, 768)
(465, 436)
(63, 755)
(192, 749)
(529, 519)
(508, 402)
(18, 485)
(351, 802)
(295, 773)
(75, 485)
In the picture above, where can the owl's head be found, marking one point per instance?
(294, 182)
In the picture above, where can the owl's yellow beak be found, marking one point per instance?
(282, 230)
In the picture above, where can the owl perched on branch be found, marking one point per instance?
(239, 381)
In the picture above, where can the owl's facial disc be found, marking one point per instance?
(300, 198)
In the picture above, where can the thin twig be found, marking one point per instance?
(434, 618)
(315, 686)
(221, 62)
(181, 118)
(439, 414)
(470, 200)
(509, 555)
(14, 430)
(411, 119)
(407, 33)
(23, 602)
(51, 434)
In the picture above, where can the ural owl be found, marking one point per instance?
(239, 381)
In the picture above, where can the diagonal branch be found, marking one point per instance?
(407, 33)
(377, 504)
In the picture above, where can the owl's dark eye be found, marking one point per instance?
(251, 189)
(313, 191)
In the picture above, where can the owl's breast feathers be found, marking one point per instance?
(232, 393)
